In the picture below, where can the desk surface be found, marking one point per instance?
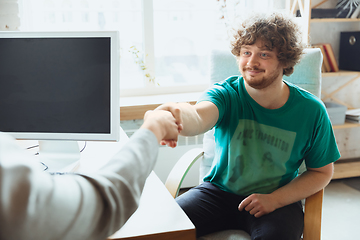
(158, 217)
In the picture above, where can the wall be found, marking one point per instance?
(9, 15)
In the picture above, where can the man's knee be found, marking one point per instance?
(286, 223)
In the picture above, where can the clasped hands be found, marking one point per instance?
(166, 124)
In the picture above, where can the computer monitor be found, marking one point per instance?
(60, 88)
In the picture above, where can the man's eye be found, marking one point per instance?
(264, 55)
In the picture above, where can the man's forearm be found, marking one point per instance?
(195, 119)
(305, 185)
(191, 120)
(301, 187)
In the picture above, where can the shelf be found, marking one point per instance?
(340, 73)
(346, 125)
(346, 169)
(138, 111)
(330, 20)
(343, 168)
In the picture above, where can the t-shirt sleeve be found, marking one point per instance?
(323, 149)
(222, 95)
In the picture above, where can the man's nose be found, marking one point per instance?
(253, 61)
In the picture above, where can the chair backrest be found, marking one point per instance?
(307, 75)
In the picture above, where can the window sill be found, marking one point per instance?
(135, 107)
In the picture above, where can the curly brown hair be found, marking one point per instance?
(276, 31)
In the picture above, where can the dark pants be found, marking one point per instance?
(212, 210)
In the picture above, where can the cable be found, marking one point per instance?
(28, 148)
(45, 166)
(83, 147)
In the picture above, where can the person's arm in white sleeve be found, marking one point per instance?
(36, 205)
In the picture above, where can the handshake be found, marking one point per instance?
(165, 122)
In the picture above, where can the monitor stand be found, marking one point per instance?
(58, 155)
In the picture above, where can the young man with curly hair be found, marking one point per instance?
(265, 128)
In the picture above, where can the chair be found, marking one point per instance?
(307, 74)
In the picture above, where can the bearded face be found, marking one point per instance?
(259, 66)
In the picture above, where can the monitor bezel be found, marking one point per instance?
(114, 134)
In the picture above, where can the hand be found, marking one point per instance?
(163, 125)
(258, 204)
(176, 112)
(173, 108)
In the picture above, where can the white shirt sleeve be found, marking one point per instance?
(37, 205)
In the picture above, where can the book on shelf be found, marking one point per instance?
(353, 115)
(325, 65)
(331, 57)
(329, 61)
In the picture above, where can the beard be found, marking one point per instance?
(261, 82)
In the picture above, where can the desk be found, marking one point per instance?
(158, 217)
(96, 153)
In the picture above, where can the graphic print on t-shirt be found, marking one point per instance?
(257, 157)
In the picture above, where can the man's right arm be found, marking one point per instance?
(195, 119)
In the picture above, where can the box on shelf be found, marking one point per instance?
(349, 51)
(336, 112)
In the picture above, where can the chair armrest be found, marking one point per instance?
(180, 169)
(312, 216)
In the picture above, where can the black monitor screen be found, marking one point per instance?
(55, 85)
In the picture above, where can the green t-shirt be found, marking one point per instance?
(259, 150)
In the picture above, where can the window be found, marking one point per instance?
(183, 35)
(164, 44)
(92, 15)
